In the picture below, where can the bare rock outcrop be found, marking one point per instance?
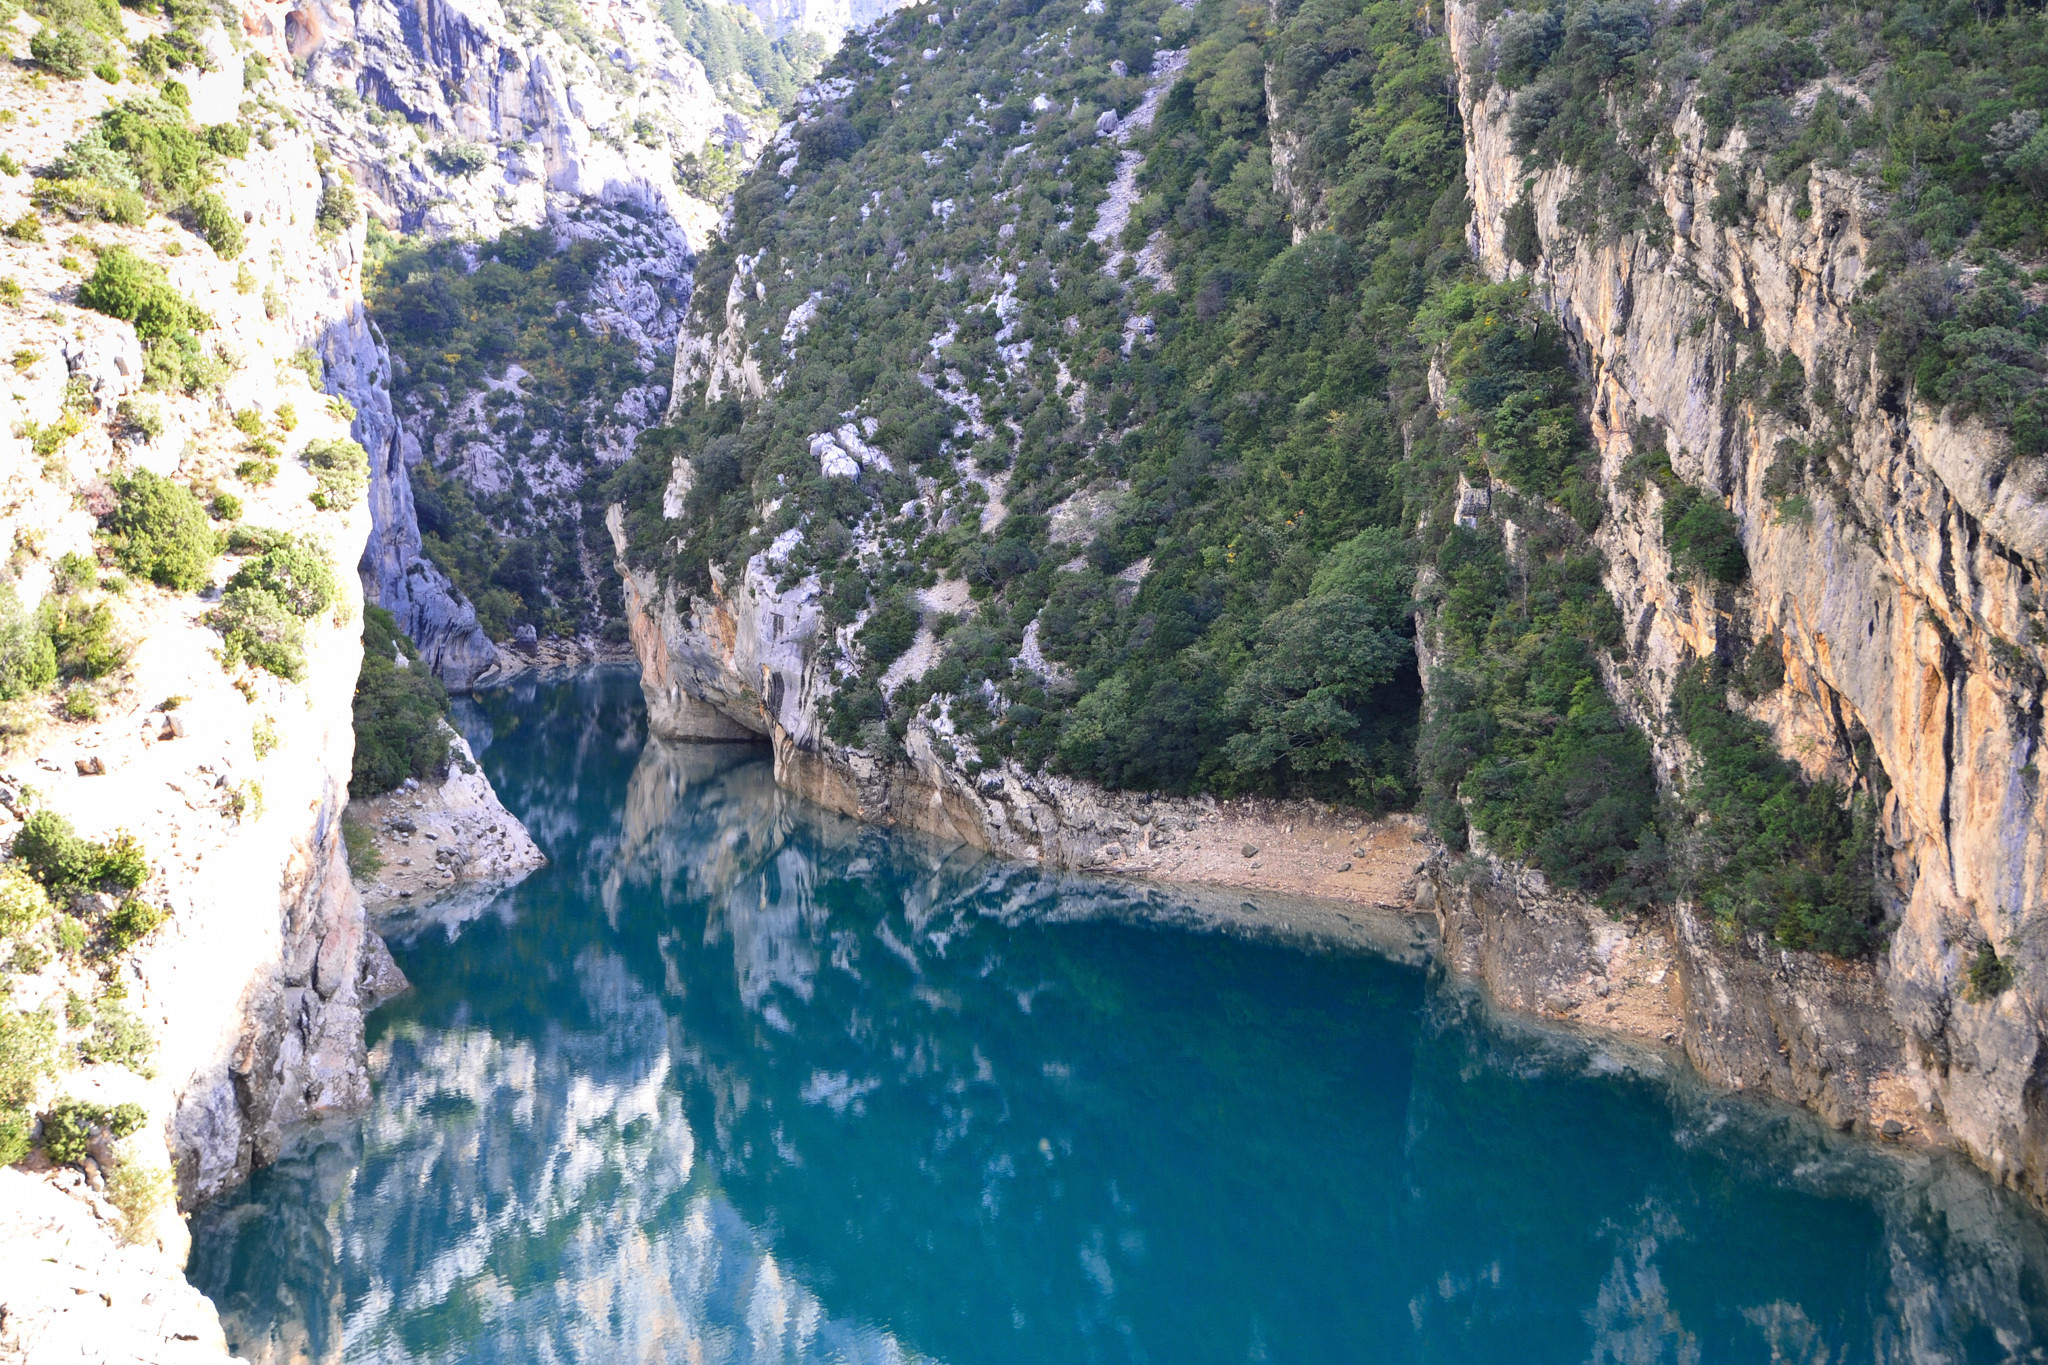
(435, 838)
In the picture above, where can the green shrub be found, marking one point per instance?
(123, 865)
(230, 140)
(337, 211)
(160, 54)
(17, 1129)
(124, 285)
(68, 1127)
(118, 1038)
(80, 199)
(68, 864)
(360, 840)
(1312, 702)
(138, 1193)
(225, 507)
(165, 153)
(65, 51)
(75, 572)
(80, 704)
(341, 468)
(212, 219)
(28, 658)
(55, 855)
(1703, 536)
(132, 921)
(180, 362)
(46, 439)
(81, 636)
(1770, 850)
(261, 631)
(160, 531)
(296, 575)
(890, 629)
(399, 712)
(28, 1053)
(26, 228)
(1990, 975)
(257, 540)
(459, 158)
(72, 936)
(24, 904)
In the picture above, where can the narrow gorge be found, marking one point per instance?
(1105, 517)
(1574, 476)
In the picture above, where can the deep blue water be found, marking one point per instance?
(734, 1080)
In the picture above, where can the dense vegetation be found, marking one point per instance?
(1937, 107)
(281, 584)
(159, 531)
(1770, 850)
(458, 317)
(78, 37)
(747, 66)
(1197, 463)
(1271, 497)
(400, 712)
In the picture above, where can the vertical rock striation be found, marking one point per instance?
(1904, 593)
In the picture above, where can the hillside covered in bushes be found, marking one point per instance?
(1189, 408)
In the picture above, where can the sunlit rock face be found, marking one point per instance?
(735, 1079)
(459, 119)
(1906, 603)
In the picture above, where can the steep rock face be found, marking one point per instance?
(517, 112)
(744, 664)
(392, 569)
(466, 119)
(249, 999)
(1904, 595)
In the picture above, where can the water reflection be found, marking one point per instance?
(733, 1080)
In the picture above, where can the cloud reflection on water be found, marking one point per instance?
(735, 1080)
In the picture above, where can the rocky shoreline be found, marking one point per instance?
(428, 840)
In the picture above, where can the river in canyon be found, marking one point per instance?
(737, 1080)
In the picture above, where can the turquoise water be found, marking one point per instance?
(734, 1080)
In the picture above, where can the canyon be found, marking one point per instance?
(1902, 593)
(1904, 596)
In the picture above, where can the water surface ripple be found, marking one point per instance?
(736, 1081)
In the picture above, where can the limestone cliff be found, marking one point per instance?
(241, 1014)
(745, 663)
(464, 120)
(1904, 592)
